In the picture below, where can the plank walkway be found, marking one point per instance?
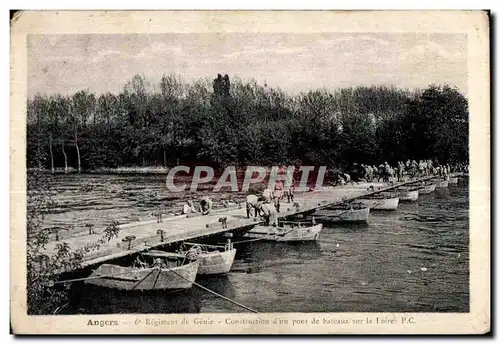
(184, 228)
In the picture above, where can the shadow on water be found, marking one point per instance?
(261, 251)
(346, 227)
(88, 299)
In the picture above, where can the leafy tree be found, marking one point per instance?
(82, 108)
(228, 121)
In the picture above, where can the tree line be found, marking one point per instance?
(225, 121)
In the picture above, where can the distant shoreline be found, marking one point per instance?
(122, 170)
(107, 170)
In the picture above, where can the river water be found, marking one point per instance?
(415, 259)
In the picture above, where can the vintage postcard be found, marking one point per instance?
(250, 172)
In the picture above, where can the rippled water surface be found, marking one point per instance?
(415, 259)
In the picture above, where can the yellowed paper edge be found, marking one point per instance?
(473, 23)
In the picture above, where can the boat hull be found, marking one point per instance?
(381, 204)
(366, 185)
(453, 180)
(427, 189)
(125, 278)
(216, 263)
(343, 215)
(442, 184)
(270, 233)
(408, 196)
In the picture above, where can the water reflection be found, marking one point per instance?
(88, 299)
(257, 256)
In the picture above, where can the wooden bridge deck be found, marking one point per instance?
(183, 228)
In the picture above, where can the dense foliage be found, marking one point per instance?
(225, 122)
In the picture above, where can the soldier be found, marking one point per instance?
(189, 208)
(267, 195)
(376, 173)
(369, 171)
(270, 214)
(206, 205)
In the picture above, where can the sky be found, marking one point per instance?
(293, 62)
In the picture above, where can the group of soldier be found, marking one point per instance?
(266, 205)
(412, 168)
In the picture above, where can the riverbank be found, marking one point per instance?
(108, 170)
(124, 170)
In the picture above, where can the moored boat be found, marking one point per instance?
(442, 184)
(368, 185)
(453, 180)
(380, 202)
(160, 271)
(214, 259)
(353, 212)
(287, 231)
(426, 189)
(407, 194)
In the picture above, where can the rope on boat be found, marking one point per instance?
(137, 284)
(213, 292)
(250, 240)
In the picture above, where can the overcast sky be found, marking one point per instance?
(293, 62)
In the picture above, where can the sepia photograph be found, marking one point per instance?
(236, 179)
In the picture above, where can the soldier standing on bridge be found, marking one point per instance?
(289, 187)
